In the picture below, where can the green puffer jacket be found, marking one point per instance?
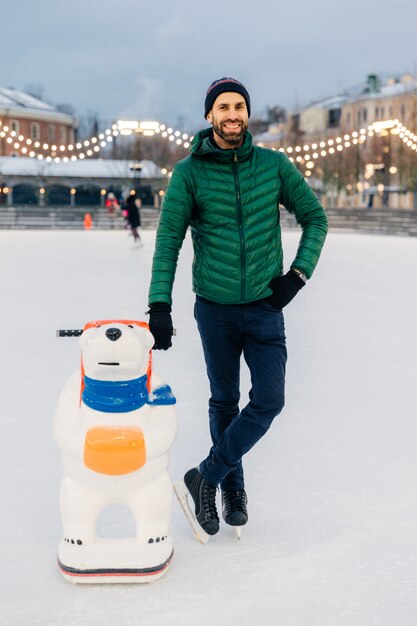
(230, 200)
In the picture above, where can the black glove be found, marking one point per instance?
(160, 324)
(284, 289)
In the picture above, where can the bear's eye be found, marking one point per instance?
(130, 326)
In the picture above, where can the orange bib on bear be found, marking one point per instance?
(114, 450)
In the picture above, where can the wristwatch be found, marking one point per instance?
(300, 274)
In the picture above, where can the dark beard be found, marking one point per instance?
(233, 139)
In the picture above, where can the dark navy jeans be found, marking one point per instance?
(256, 330)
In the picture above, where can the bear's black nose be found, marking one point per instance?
(113, 334)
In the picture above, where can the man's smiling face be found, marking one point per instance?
(229, 118)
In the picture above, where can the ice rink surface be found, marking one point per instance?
(332, 533)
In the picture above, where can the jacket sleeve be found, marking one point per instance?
(298, 198)
(173, 223)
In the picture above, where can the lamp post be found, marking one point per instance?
(386, 159)
(384, 129)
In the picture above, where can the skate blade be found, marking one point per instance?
(182, 494)
(238, 532)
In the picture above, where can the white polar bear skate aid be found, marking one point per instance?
(115, 425)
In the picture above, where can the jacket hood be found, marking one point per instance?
(202, 146)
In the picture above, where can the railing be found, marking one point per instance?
(391, 222)
(66, 218)
(379, 221)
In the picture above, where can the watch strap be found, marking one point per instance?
(300, 274)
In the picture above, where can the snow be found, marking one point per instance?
(331, 538)
(12, 98)
(333, 102)
(397, 88)
(18, 103)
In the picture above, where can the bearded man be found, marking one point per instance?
(229, 191)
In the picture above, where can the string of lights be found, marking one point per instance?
(406, 135)
(308, 154)
(90, 147)
(51, 152)
(305, 154)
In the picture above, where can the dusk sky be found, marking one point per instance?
(154, 60)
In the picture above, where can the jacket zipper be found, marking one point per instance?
(241, 231)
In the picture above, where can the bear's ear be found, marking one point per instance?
(148, 338)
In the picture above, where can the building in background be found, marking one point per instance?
(355, 108)
(379, 172)
(27, 182)
(34, 120)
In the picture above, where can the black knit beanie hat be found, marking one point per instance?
(220, 86)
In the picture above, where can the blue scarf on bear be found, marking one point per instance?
(123, 396)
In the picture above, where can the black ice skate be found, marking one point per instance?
(235, 511)
(204, 520)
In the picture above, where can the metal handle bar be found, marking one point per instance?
(78, 332)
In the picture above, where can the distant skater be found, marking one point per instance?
(133, 205)
(112, 207)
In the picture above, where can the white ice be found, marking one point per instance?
(332, 535)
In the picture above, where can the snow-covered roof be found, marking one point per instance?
(86, 168)
(14, 102)
(388, 86)
(397, 88)
(333, 102)
(12, 97)
(269, 136)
